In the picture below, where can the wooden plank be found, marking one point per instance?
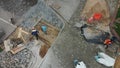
(45, 23)
(20, 33)
(17, 49)
(7, 46)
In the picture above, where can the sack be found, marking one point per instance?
(81, 65)
(104, 59)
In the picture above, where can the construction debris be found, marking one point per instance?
(16, 41)
(20, 34)
(19, 60)
(17, 49)
(7, 45)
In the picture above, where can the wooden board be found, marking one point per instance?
(17, 49)
(20, 33)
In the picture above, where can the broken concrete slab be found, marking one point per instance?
(15, 61)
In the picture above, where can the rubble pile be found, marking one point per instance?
(19, 60)
(16, 42)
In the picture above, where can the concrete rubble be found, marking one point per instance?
(19, 60)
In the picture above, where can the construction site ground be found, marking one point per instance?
(69, 44)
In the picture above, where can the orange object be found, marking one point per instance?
(97, 16)
(107, 41)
